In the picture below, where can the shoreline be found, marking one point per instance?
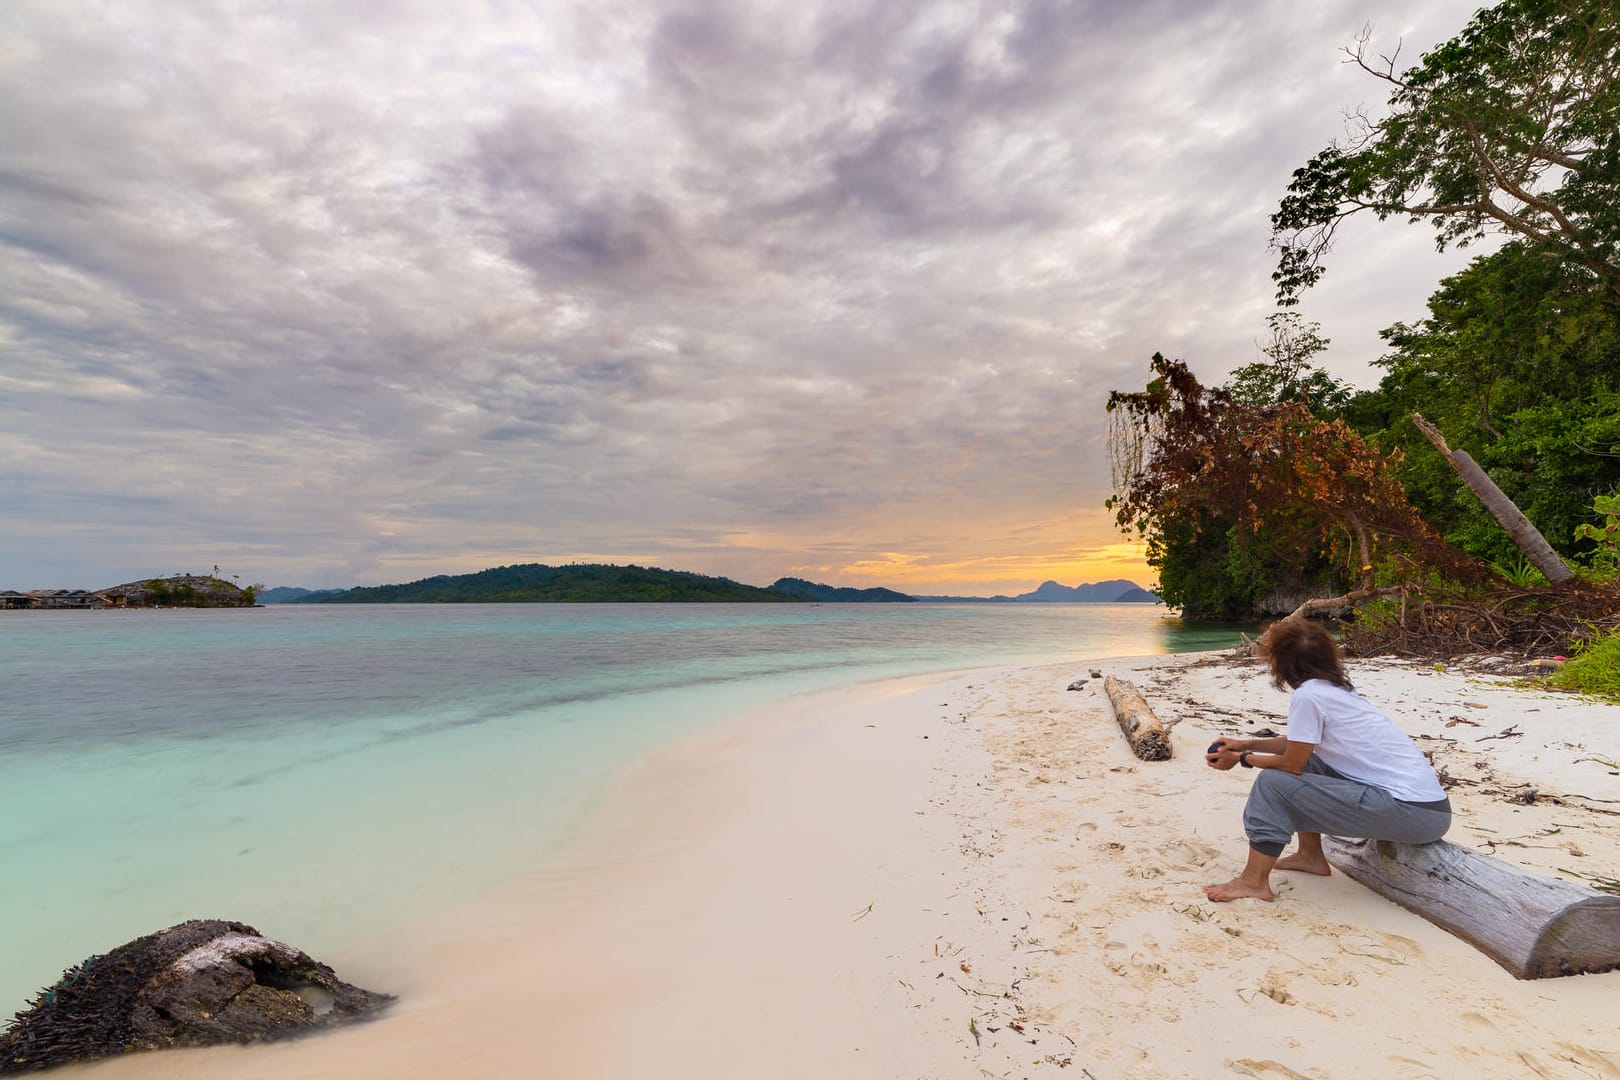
(953, 876)
(697, 861)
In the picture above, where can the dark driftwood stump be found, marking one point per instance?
(1144, 731)
(200, 983)
(1534, 926)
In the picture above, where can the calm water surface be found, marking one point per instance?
(323, 771)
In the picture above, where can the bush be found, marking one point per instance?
(1595, 671)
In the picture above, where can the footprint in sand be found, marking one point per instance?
(1068, 892)
(1335, 972)
(1274, 988)
(1196, 912)
(1136, 967)
(1142, 966)
(1596, 1064)
(1391, 949)
(1187, 855)
(1267, 1069)
(1117, 959)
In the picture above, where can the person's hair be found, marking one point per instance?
(1297, 650)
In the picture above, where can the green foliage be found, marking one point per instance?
(1512, 128)
(1605, 555)
(800, 589)
(1519, 571)
(538, 583)
(1608, 537)
(1287, 373)
(1595, 671)
(1509, 127)
(1240, 501)
(1519, 364)
(1206, 572)
(182, 590)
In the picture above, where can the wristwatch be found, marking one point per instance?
(1243, 759)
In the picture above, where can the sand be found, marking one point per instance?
(971, 876)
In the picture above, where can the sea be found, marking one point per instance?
(328, 771)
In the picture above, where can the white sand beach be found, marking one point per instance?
(971, 876)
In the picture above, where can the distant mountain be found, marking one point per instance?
(1117, 591)
(1103, 592)
(289, 594)
(1137, 595)
(536, 583)
(829, 594)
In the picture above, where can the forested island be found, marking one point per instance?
(833, 594)
(1470, 502)
(601, 583)
(593, 583)
(531, 583)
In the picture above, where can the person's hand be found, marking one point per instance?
(1223, 753)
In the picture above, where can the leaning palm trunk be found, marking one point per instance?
(1526, 535)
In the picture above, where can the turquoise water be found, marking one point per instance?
(327, 771)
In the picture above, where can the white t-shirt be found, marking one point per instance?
(1356, 739)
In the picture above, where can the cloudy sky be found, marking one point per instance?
(359, 292)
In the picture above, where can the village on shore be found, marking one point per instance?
(181, 590)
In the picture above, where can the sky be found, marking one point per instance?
(351, 293)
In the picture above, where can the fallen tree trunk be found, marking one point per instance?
(1145, 732)
(1534, 926)
(1348, 600)
(1524, 534)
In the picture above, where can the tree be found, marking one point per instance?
(1509, 127)
(1287, 373)
(1518, 362)
(1231, 497)
(1525, 535)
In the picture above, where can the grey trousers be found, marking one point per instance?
(1324, 800)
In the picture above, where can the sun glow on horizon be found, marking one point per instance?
(1007, 574)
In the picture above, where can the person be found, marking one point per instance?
(1344, 768)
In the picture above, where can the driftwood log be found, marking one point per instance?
(200, 983)
(1534, 926)
(1145, 732)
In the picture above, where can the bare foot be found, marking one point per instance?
(1238, 889)
(1305, 864)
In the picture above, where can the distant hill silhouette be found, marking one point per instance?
(287, 594)
(1137, 595)
(829, 594)
(602, 583)
(536, 583)
(1116, 591)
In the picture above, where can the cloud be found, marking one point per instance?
(374, 291)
